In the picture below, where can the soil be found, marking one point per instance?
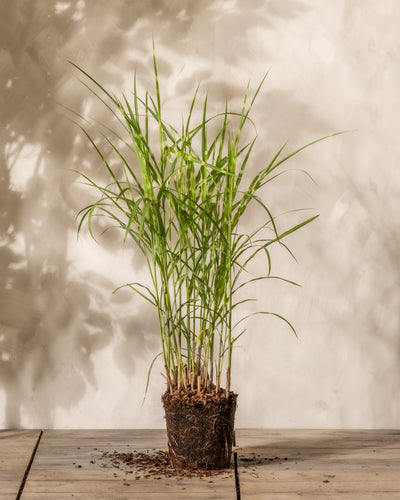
(155, 464)
(200, 428)
(152, 464)
(250, 461)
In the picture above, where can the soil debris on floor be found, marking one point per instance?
(249, 461)
(152, 464)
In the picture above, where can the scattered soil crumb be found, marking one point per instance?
(247, 461)
(154, 464)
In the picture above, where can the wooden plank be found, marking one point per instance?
(69, 463)
(288, 464)
(16, 448)
(319, 464)
(129, 494)
(310, 437)
(142, 489)
(322, 496)
(106, 438)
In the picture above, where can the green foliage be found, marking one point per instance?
(182, 200)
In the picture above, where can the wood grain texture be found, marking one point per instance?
(16, 447)
(342, 464)
(279, 465)
(69, 463)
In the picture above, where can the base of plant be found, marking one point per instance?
(200, 428)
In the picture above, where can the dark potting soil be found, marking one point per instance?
(204, 414)
(200, 428)
(155, 464)
(152, 464)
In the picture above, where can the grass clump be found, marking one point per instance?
(182, 200)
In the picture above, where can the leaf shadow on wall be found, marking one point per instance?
(50, 324)
(52, 319)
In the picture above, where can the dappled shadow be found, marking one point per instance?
(55, 316)
(51, 322)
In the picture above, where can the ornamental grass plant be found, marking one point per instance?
(181, 196)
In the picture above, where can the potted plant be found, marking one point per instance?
(181, 197)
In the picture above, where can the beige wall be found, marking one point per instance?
(72, 355)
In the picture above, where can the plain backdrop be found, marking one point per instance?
(72, 355)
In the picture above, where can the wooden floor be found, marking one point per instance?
(275, 464)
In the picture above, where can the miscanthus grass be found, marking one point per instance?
(181, 196)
